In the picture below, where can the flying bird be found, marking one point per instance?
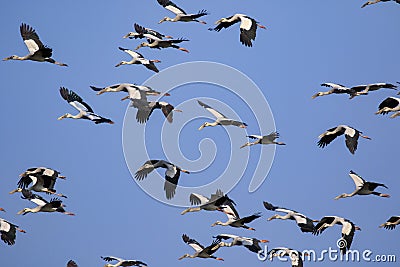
(172, 174)
(44, 171)
(37, 51)
(142, 32)
(390, 104)
(377, 1)
(122, 262)
(363, 187)
(235, 221)
(8, 232)
(180, 14)
(391, 223)
(365, 88)
(71, 263)
(138, 59)
(145, 109)
(351, 136)
(85, 111)
(264, 140)
(348, 230)
(335, 89)
(158, 44)
(55, 204)
(201, 251)
(217, 201)
(221, 119)
(306, 224)
(248, 27)
(252, 244)
(133, 90)
(294, 255)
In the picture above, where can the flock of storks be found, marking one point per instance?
(43, 179)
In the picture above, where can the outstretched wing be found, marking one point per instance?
(169, 5)
(145, 169)
(75, 100)
(31, 39)
(193, 243)
(216, 113)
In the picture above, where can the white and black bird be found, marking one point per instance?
(122, 262)
(37, 51)
(201, 251)
(251, 243)
(138, 58)
(237, 222)
(248, 27)
(55, 204)
(85, 111)
(180, 14)
(390, 104)
(217, 201)
(172, 174)
(145, 109)
(264, 140)
(351, 135)
(391, 223)
(142, 32)
(294, 255)
(378, 1)
(8, 232)
(335, 89)
(159, 44)
(348, 230)
(306, 224)
(221, 119)
(363, 89)
(71, 263)
(363, 187)
(133, 90)
(43, 171)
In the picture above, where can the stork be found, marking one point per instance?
(37, 51)
(377, 1)
(133, 90)
(85, 111)
(8, 232)
(142, 32)
(390, 104)
(351, 135)
(264, 140)
(145, 109)
(365, 88)
(335, 89)
(158, 44)
(172, 174)
(42, 171)
(362, 187)
(122, 262)
(248, 27)
(201, 251)
(180, 14)
(138, 59)
(221, 119)
(235, 221)
(252, 244)
(391, 223)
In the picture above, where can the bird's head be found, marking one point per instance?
(164, 19)
(357, 228)
(11, 57)
(273, 217)
(67, 115)
(220, 21)
(16, 190)
(184, 256)
(341, 196)
(121, 63)
(316, 95)
(204, 125)
(24, 211)
(141, 45)
(216, 223)
(130, 35)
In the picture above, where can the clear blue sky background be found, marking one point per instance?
(306, 43)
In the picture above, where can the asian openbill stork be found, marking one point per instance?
(180, 14)
(85, 111)
(377, 1)
(138, 59)
(142, 32)
(145, 109)
(390, 104)
(348, 230)
(294, 255)
(158, 44)
(217, 201)
(172, 174)
(248, 27)
(252, 244)
(133, 90)
(350, 133)
(363, 89)
(236, 221)
(37, 51)
(55, 204)
(38, 182)
(391, 223)
(201, 251)
(335, 89)
(42, 171)
(306, 224)
(8, 232)
(221, 119)
(264, 140)
(71, 263)
(362, 187)
(122, 262)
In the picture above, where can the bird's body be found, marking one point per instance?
(294, 255)
(351, 136)
(363, 187)
(201, 251)
(180, 14)
(138, 59)
(391, 223)
(159, 44)
(363, 89)
(378, 1)
(172, 174)
(305, 223)
(248, 27)
(145, 109)
(133, 90)
(348, 230)
(122, 262)
(217, 201)
(390, 104)
(252, 244)
(335, 89)
(37, 51)
(221, 119)
(264, 140)
(237, 222)
(8, 232)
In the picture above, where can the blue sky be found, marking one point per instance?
(305, 44)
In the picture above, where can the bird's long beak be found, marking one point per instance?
(382, 225)
(271, 218)
(61, 117)
(185, 211)
(126, 36)
(7, 58)
(357, 228)
(201, 127)
(338, 197)
(101, 92)
(161, 21)
(214, 224)
(315, 96)
(247, 144)
(218, 21)
(14, 191)
(20, 212)
(119, 64)
(138, 47)
(182, 257)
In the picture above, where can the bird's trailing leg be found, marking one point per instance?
(183, 49)
(261, 26)
(395, 115)
(364, 136)
(21, 230)
(69, 213)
